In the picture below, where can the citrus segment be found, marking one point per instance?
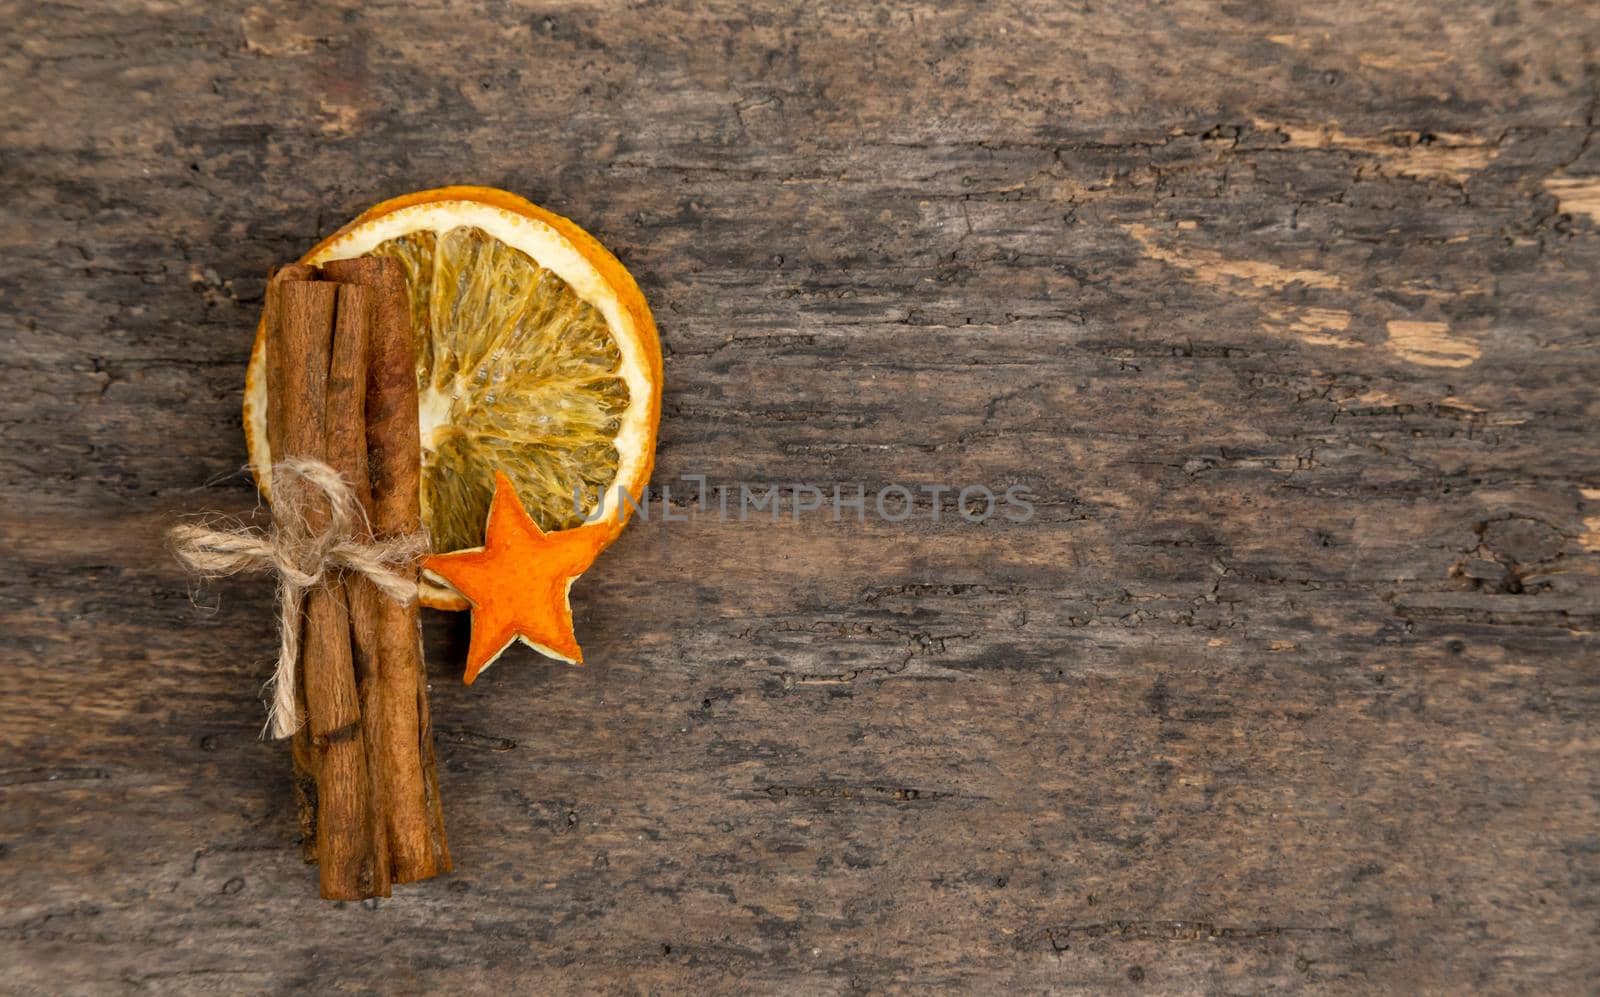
(522, 376)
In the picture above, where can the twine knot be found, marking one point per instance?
(304, 553)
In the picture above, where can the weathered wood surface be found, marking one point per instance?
(1287, 314)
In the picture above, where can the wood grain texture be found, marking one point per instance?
(1286, 313)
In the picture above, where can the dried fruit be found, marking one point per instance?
(518, 582)
(537, 356)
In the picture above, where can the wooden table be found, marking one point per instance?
(1286, 317)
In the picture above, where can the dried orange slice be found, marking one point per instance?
(536, 356)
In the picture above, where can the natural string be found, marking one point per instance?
(303, 559)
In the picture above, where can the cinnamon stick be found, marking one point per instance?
(414, 814)
(299, 353)
(345, 424)
(302, 757)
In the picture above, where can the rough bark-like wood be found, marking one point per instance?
(414, 814)
(1286, 313)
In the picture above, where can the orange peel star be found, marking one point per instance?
(518, 581)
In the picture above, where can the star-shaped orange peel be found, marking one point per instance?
(518, 581)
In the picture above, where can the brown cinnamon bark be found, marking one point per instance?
(301, 755)
(350, 862)
(345, 424)
(415, 818)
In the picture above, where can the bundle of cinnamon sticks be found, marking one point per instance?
(341, 388)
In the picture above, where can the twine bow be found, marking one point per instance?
(303, 558)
